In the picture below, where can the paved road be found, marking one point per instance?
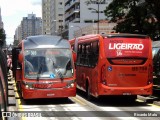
(79, 108)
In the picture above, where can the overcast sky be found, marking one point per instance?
(14, 10)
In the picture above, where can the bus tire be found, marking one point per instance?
(65, 99)
(18, 85)
(89, 96)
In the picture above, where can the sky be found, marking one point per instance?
(13, 11)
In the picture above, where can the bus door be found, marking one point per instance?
(127, 61)
(17, 68)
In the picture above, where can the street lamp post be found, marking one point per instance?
(97, 11)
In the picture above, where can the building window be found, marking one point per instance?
(60, 20)
(61, 27)
(60, 14)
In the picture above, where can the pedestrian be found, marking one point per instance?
(9, 63)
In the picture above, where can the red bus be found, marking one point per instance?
(114, 64)
(3, 83)
(43, 67)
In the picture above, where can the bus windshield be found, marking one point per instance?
(154, 52)
(48, 63)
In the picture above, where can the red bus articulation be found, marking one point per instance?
(114, 64)
(3, 83)
(43, 67)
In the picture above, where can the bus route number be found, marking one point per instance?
(33, 53)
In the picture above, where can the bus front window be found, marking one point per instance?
(48, 63)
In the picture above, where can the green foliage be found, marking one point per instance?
(16, 42)
(2, 37)
(133, 17)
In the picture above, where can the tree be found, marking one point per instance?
(2, 37)
(16, 42)
(135, 16)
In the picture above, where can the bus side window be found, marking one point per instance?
(95, 52)
(88, 54)
(79, 54)
(82, 57)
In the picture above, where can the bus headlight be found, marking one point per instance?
(27, 85)
(70, 84)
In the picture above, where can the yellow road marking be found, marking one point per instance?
(15, 88)
(148, 103)
(20, 107)
(154, 105)
(139, 100)
(77, 100)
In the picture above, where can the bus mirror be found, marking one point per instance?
(74, 56)
(20, 57)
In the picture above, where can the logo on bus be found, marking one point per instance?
(109, 68)
(119, 52)
(125, 46)
(52, 76)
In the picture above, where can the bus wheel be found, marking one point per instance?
(66, 99)
(18, 85)
(89, 96)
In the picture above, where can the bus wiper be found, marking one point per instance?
(58, 71)
(39, 71)
(59, 41)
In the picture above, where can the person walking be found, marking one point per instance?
(9, 63)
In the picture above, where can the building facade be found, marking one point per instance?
(65, 12)
(57, 17)
(84, 11)
(105, 28)
(46, 17)
(18, 34)
(53, 16)
(31, 26)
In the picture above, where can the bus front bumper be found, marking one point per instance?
(48, 93)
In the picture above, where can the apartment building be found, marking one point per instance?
(31, 26)
(53, 16)
(18, 34)
(46, 17)
(84, 11)
(57, 17)
(65, 12)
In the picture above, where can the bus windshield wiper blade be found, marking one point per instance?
(39, 71)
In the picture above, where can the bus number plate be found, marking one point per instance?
(126, 93)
